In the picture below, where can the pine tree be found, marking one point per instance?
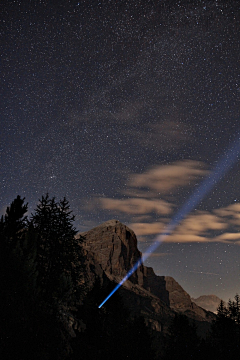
(58, 250)
(223, 340)
(31, 323)
(234, 309)
(182, 340)
(18, 277)
(13, 223)
(110, 332)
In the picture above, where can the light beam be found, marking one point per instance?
(222, 166)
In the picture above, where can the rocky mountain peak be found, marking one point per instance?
(111, 249)
(114, 246)
(208, 302)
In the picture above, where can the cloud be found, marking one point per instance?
(147, 228)
(139, 193)
(193, 228)
(141, 218)
(127, 112)
(169, 177)
(144, 189)
(168, 134)
(229, 238)
(186, 238)
(143, 202)
(197, 228)
(201, 222)
(136, 205)
(232, 212)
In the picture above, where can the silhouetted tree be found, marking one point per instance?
(182, 341)
(234, 309)
(58, 250)
(30, 324)
(110, 331)
(13, 223)
(27, 330)
(223, 340)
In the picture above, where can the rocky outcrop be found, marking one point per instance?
(114, 246)
(180, 301)
(110, 250)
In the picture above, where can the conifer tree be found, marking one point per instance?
(110, 332)
(17, 282)
(223, 340)
(234, 309)
(58, 250)
(31, 323)
(14, 221)
(182, 340)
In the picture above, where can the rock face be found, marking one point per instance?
(111, 250)
(208, 302)
(114, 246)
(181, 301)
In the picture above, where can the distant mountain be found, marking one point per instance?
(110, 250)
(208, 302)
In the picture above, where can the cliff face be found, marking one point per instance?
(114, 247)
(180, 301)
(111, 250)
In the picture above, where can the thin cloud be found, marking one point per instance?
(168, 134)
(147, 228)
(229, 238)
(127, 112)
(201, 222)
(186, 238)
(169, 177)
(144, 190)
(193, 228)
(197, 228)
(136, 206)
(231, 212)
(141, 218)
(138, 193)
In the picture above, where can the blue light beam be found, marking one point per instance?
(221, 168)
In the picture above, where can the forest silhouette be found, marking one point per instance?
(42, 292)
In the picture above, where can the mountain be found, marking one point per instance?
(208, 302)
(110, 250)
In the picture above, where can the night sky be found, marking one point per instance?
(124, 107)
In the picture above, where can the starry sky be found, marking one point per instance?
(124, 107)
